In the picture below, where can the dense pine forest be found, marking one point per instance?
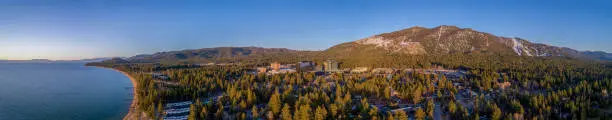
(488, 87)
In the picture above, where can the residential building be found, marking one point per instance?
(330, 66)
(318, 68)
(305, 64)
(275, 66)
(359, 70)
(262, 70)
(504, 85)
(383, 70)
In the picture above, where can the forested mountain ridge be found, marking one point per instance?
(451, 39)
(598, 55)
(206, 55)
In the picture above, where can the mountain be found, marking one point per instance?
(415, 41)
(207, 54)
(598, 55)
(451, 39)
(27, 61)
(112, 61)
(93, 59)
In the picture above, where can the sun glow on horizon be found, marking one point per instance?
(38, 49)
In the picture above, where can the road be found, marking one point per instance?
(438, 112)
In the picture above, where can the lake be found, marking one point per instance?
(62, 91)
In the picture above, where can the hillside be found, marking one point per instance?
(598, 55)
(415, 45)
(216, 55)
(451, 39)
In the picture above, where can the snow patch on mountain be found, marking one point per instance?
(394, 46)
(375, 40)
(519, 48)
(410, 48)
(516, 47)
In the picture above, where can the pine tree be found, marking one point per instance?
(251, 98)
(160, 109)
(401, 115)
(416, 95)
(464, 112)
(333, 110)
(193, 115)
(420, 114)
(452, 107)
(219, 113)
(204, 113)
(387, 93)
(286, 113)
(364, 105)
(320, 113)
(390, 116)
(347, 97)
(324, 111)
(306, 112)
(430, 108)
(373, 113)
(151, 111)
(495, 112)
(255, 112)
(243, 105)
(270, 115)
(303, 113)
(275, 103)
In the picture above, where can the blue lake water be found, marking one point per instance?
(62, 91)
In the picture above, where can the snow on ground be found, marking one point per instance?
(516, 46)
(519, 48)
(376, 40)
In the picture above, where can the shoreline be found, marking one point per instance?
(133, 112)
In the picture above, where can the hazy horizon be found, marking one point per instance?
(71, 30)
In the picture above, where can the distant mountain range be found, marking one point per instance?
(207, 54)
(599, 55)
(440, 40)
(56, 61)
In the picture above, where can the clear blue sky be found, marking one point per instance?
(74, 29)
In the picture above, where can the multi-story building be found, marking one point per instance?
(359, 70)
(262, 70)
(275, 66)
(330, 66)
(305, 63)
(305, 66)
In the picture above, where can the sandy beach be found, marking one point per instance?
(133, 113)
